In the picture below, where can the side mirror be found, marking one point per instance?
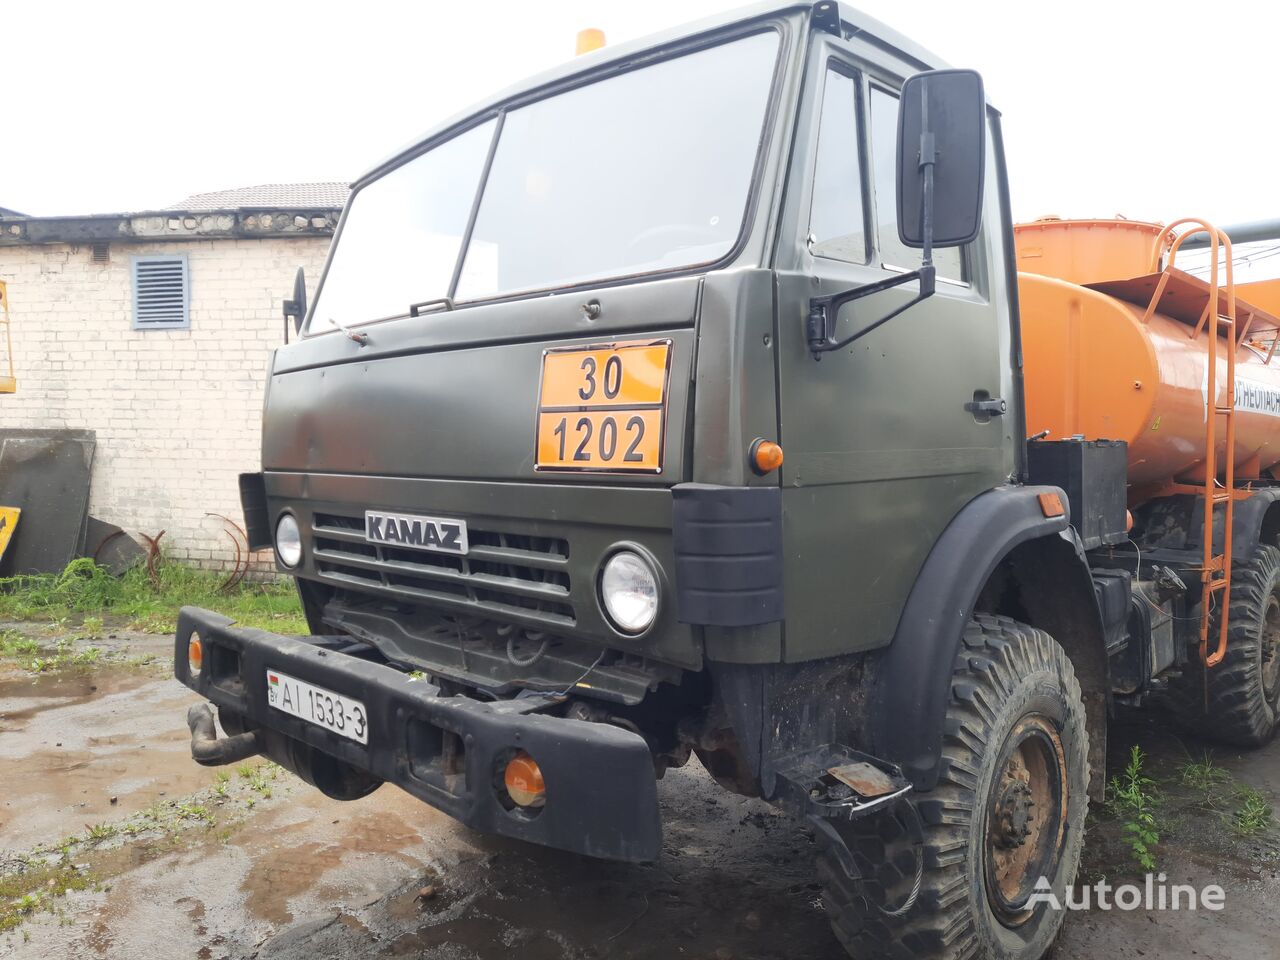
(941, 159)
(296, 309)
(942, 139)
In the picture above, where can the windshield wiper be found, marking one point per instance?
(356, 335)
(415, 310)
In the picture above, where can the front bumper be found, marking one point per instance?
(601, 793)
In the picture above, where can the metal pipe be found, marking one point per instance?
(1240, 233)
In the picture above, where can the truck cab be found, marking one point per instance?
(670, 403)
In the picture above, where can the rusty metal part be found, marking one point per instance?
(864, 779)
(240, 567)
(153, 556)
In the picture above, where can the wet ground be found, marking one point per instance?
(160, 858)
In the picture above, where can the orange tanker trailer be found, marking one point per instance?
(1106, 358)
(1119, 344)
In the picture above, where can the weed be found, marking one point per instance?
(1132, 801)
(14, 644)
(258, 776)
(1207, 778)
(101, 831)
(36, 888)
(220, 780)
(194, 811)
(88, 591)
(1253, 814)
(1203, 774)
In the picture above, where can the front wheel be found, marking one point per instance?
(954, 874)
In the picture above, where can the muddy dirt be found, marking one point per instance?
(256, 864)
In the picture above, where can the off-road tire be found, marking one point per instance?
(1244, 694)
(1005, 673)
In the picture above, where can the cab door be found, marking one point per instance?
(883, 441)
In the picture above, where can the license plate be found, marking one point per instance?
(603, 409)
(333, 711)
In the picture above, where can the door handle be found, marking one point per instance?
(984, 407)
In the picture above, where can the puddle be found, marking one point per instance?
(25, 697)
(285, 865)
(71, 743)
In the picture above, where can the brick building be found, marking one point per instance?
(153, 330)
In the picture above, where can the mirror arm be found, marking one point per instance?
(823, 311)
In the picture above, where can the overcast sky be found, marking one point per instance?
(121, 106)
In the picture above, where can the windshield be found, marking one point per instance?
(648, 170)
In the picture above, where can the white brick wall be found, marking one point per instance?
(177, 413)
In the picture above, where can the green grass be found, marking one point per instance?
(1253, 814)
(86, 592)
(1203, 774)
(14, 646)
(34, 889)
(30, 655)
(101, 831)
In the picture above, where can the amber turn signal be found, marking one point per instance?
(195, 655)
(1051, 505)
(765, 456)
(523, 780)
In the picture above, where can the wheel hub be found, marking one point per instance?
(1014, 820)
(1026, 817)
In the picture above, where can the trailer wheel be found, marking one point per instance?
(1244, 689)
(953, 875)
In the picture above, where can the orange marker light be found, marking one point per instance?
(588, 40)
(524, 783)
(1051, 505)
(766, 456)
(195, 655)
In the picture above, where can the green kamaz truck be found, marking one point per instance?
(671, 403)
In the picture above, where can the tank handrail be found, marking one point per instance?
(1216, 239)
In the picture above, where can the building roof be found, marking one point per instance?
(290, 196)
(6, 212)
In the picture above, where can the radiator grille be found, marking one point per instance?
(503, 572)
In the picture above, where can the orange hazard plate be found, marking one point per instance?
(603, 408)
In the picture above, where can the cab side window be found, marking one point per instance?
(837, 217)
(884, 149)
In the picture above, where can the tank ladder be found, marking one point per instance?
(1220, 424)
(7, 382)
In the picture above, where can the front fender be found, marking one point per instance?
(913, 674)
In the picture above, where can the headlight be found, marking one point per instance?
(629, 591)
(288, 541)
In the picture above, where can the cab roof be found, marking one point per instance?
(822, 16)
